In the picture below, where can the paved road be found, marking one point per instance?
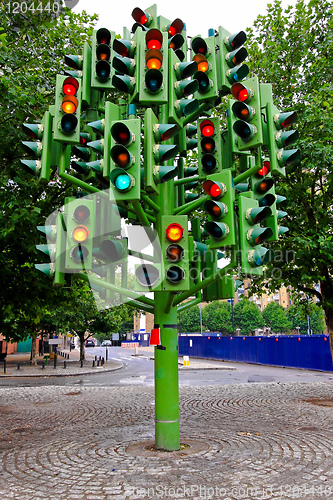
(243, 441)
(91, 440)
(123, 368)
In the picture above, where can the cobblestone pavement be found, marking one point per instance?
(250, 441)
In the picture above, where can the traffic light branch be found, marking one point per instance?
(74, 180)
(142, 216)
(141, 306)
(142, 256)
(193, 205)
(188, 304)
(116, 288)
(245, 175)
(186, 180)
(193, 116)
(150, 203)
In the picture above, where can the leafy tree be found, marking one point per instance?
(31, 54)
(299, 318)
(247, 317)
(275, 316)
(189, 320)
(293, 48)
(217, 317)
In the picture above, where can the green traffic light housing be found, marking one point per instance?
(125, 48)
(233, 42)
(124, 65)
(257, 214)
(260, 256)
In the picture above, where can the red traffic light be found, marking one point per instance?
(81, 213)
(214, 189)
(199, 46)
(103, 36)
(175, 27)
(207, 128)
(154, 39)
(265, 169)
(174, 232)
(121, 133)
(141, 17)
(241, 93)
(70, 86)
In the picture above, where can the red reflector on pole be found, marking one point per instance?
(155, 337)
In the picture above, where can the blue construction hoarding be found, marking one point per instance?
(310, 352)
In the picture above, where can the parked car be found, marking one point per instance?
(106, 343)
(90, 343)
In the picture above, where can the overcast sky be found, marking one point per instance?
(198, 16)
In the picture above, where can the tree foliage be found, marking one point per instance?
(276, 318)
(293, 48)
(299, 319)
(189, 320)
(217, 317)
(247, 317)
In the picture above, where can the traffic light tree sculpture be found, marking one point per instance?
(121, 130)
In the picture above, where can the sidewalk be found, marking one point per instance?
(18, 365)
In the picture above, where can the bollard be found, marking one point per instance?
(98, 362)
(106, 354)
(4, 366)
(18, 366)
(43, 365)
(81, 363)
(65, 364)
(186, 360)
(55, 361)
(102, 361)
(95, 358)
(93, 363)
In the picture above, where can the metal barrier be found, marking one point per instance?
(294, 351)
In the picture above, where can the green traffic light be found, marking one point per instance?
(260, 256)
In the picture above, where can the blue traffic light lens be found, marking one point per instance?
(175, 274)
(208, 162)
(103, 70)
(122, 182)
(68, 123)
(79, 253)
(154, 80)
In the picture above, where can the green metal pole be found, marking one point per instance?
(166, 377)
(166, 355)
